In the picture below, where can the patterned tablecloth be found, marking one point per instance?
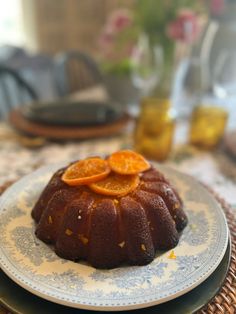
(20, 156)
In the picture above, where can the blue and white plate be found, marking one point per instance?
(34, 265)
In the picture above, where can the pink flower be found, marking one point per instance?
(109, 41)
(217, 6)
(185, 28)
(120, 19)
(106, 37)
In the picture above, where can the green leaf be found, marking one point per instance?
(121, 68)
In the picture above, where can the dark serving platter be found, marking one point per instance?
(21, 301)
(72, 113)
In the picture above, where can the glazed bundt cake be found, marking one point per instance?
(97, 223)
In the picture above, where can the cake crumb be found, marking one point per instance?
(176, 206)
(68, 232)
(122, 244)
(116, 202)
(193, 226)
(50, 219)
(172, 255)
(143, 247)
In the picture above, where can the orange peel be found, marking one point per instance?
(86, 171)
(127, 162)
(116, 185)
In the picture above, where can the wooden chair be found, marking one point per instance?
(75, 71)
(14, 90)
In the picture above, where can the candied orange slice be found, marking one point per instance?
(116, 184)
(86, 171)
(128, 162)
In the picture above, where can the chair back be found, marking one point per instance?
(75, 71)
(14, 90)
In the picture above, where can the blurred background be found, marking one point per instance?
(132, 42)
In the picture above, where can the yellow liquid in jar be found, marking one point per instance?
(207, 126)
(154, 130)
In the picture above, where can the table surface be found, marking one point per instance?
(20, 156)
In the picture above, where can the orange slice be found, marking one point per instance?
(86, 171)
(116, 184)
(128, 162)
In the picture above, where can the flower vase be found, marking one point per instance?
(153, 136)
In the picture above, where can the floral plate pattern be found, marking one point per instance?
(34, 265)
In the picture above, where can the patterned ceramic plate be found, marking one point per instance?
(34, 266)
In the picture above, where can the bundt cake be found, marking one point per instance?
(107, 229)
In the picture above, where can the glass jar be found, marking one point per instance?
(208, 123)
(154, 130)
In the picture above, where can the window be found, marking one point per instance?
(11, 28)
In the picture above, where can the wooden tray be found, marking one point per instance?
(19, 122)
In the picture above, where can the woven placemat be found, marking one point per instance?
(225, 301)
